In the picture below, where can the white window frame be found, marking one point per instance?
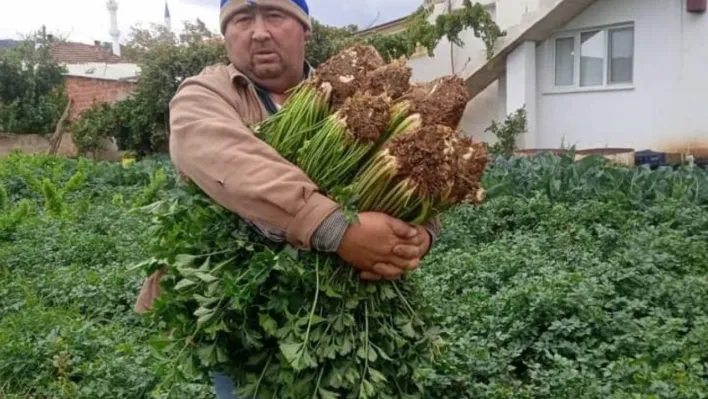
(576, 35)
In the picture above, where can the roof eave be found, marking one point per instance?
(126, 79)
(539, 28)
(378, 28)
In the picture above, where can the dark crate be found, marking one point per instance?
(651, 158)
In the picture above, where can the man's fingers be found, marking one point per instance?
(420, 238)
(370, 276)
(414, 264)
(401, 263)
(408, 252)
(388, 272)
(416, 240)
(401, 228)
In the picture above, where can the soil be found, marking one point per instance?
(392, 79)
(441, 101)
(346, 71)
(423, 157)
(472, 158)
(366, 115)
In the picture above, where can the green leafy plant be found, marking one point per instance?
(32, 95)
(450, 25)
(55, 198)
(150, 194)
(579, 280)
(418, 33)
(326, 41)
(67, 329)
(575, 279)
(94, 126)
(241, 269)
(4, 200)
(506, 133)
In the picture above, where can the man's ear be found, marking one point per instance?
(308, 33)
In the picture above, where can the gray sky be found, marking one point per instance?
(361, 12)
(344, 12)
(87, 20)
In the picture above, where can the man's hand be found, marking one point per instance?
(415, 247)
(412, 249)
(369, 246)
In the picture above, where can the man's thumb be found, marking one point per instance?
(401, 228)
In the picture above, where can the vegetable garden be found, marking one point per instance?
(573, 279)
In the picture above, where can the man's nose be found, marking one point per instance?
(260, 30)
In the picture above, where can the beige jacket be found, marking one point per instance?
(211, 144)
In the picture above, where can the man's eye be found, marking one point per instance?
(241, 19)
(274, 15)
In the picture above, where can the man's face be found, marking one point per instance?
(268, 45)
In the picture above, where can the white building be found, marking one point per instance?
(590, 73)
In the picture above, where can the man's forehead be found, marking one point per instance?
(253, 5)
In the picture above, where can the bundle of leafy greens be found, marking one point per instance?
(285, 324)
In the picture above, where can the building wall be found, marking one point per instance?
(447, 60)
(511, 12)
(389, 28)
(664, 109)
(35, 144)
(490, 104)
(85, 91)
(40, 143)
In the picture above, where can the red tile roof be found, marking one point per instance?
(77, 53)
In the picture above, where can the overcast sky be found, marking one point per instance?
(87, 20)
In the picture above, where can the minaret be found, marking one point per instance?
(112, 6)
(168, 20)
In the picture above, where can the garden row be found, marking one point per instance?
(574, 279)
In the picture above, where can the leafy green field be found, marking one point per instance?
(573, 281)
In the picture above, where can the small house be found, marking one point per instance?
(589, 73)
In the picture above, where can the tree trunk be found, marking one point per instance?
(452, 48)
(55, 141)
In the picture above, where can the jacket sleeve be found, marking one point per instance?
(211, 145)
(433, 226)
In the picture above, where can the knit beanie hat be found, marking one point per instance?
(296, 8)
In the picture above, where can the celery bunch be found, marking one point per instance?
(298, 120)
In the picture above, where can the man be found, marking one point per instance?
(211, 144)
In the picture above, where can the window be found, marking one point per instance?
(565, 61)
(594, 58)
(621, 55)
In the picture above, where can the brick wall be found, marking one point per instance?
(86, 91)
